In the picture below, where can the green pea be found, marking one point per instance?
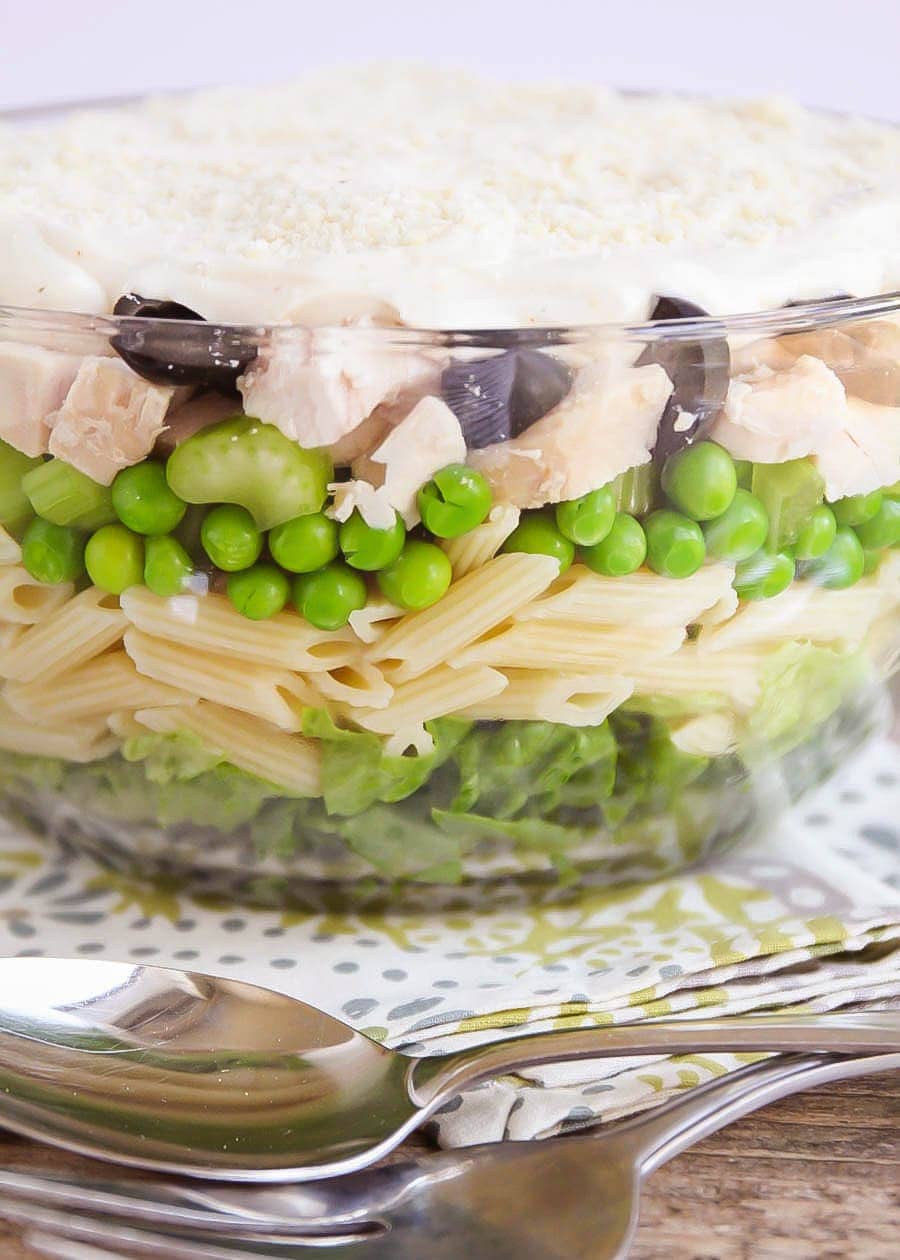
(882, 529)
(856, 509)
(764, 575)
(741, 529)
(675, 546)
(260, 592)
(587, 521)
(53, 553)
(142, 500)
(537, 534)
(744, 470)
(842, 564)
(370, 549)
(327, 598)
(700, 480)
(455, 500)
(304, 544)
(230, 538)
(622, 551)
(417, 578)
(114, 559)
(816, 534)
(254, 465)
(167, 566)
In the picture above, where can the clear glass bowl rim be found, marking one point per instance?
(806, 317)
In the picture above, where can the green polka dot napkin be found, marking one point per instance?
(809, 914)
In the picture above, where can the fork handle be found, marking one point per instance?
(677, 1125)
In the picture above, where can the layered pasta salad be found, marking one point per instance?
(335, 599)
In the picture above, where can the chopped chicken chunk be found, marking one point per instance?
(773, 416)
(388, 480)
(881, 335)
(109, 419)
(834, 347)
(763, 352)
(876, 374)
(370, 433)
(428, 439)
(387, 415)
(33, 383)
(864, 356)
(804, 411)
(371, 503)
(606, 425)
(865, 454)
(317, 389)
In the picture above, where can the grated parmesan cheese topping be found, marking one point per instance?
(451, 199)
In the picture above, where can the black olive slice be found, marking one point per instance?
(208, 357)
(499, 397)
(478, 393)
(699, 371)
(154, 308)
(541, 383)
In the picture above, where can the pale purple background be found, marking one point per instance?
(826, 52)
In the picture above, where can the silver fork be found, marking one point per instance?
(574, 1197)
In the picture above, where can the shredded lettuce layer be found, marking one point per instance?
(533, 785)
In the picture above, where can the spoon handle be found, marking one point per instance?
(859, 1033)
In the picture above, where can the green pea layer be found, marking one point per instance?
(241, 498)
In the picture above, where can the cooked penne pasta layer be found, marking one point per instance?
(512, 642)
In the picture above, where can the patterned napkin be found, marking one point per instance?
(810, 914)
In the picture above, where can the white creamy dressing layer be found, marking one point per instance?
(442, 200)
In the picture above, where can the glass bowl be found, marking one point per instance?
(647, 593)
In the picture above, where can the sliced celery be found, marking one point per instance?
(789, 492)
(15, 510)
(65, 496)
(636, 490)
(872, 561)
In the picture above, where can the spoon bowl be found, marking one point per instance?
(186, 1073)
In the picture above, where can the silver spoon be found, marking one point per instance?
(184, 1073)
(574, 1197)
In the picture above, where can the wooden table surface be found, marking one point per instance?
(815, 1177)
